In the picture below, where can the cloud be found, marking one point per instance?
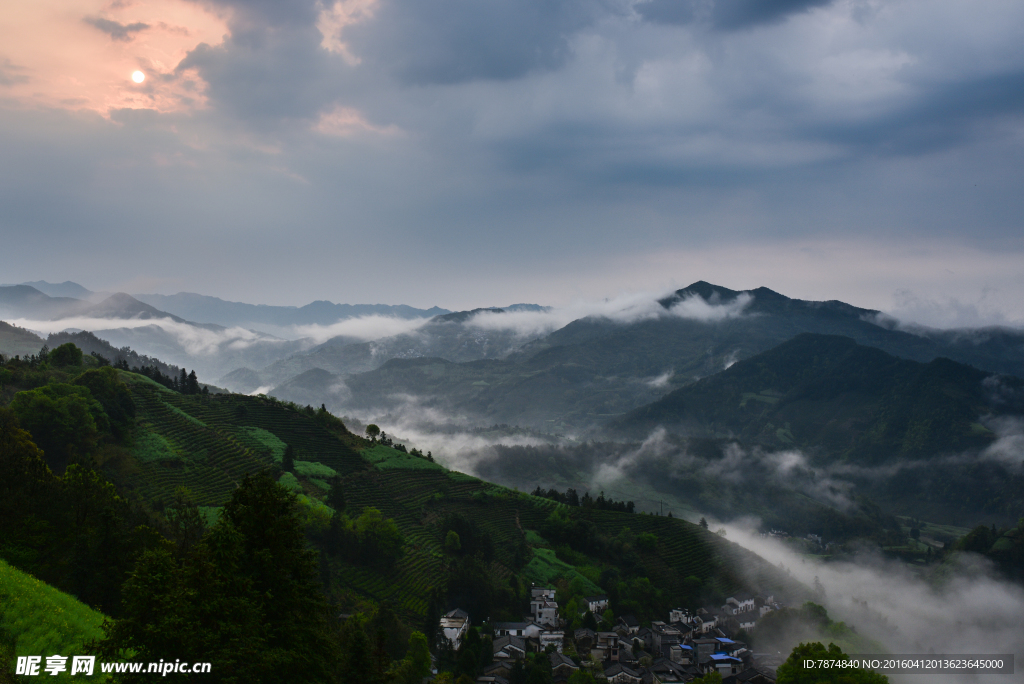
(79, 60)
(910, 310)
(115, 29)
(619, 152)
(454, 440)
(10, 73)
(624, 308)
(662, 380)
(333, 19)
(1008, 448)
(195, 340)
(454, 41)
(344, 122)
(969, 610)
(362, 328)
(724, 14)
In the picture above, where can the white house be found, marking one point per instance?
(454, 625)
(530, 630)
(742, 602)
(679, 615)
(597, 604)
(545, 611)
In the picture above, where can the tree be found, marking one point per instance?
(709, 678)
(356, 660)
(66, 354)
(703, 523)
(187, 524)
(192, 383)
(451, 542)
(416, 664)
(372, 431)
(246, 598)
(288, 460)
(106, 387)
(379, 537)
(336, 496)
(64, 421)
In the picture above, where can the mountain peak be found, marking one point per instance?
(122, 305)
(703, 289)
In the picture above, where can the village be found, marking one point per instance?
(685, 647)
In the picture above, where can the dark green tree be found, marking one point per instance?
(191, 383)
(67, 354)
(246, 599)
(186, 522)
(356, 654)
(64, 420)
(288, 460)
(336, 496)
(106, 387)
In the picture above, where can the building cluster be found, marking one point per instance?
(681, 649)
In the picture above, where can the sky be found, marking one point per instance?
(467, 153)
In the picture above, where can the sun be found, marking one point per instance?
(138, 76)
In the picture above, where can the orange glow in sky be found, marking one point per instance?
(89, 54)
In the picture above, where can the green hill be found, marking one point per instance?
(36, 619)
(839, 399)
(117, 488)
(208, 443)
(15, 341)
(912, 436)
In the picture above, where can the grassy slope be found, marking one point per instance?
(44, 621)
(209, 443)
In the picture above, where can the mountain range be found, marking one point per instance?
(848, 390)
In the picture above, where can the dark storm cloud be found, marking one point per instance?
(264, 74)
(114, 29)
(452, 41)
(941, 117)
(587, 129)
(724, 14)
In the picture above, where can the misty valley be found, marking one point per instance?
(706, 485)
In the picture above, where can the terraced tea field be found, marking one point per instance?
(209, 443)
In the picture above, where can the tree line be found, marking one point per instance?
(572, 498)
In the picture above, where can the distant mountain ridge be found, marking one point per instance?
(827, 394)
(206, 309)
(595, 367)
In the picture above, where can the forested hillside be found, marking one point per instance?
(127, 494)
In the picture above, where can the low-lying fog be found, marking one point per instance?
(967, 610)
